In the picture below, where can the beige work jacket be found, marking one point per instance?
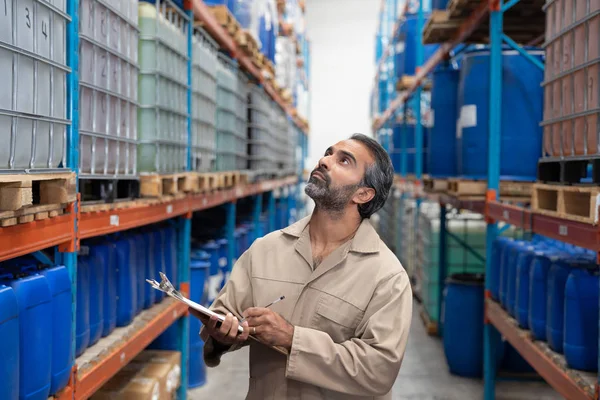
(351, 316)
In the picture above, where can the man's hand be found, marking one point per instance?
(227, 333)
(269, 327)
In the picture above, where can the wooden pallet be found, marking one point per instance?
(225, 19)
(31, 213)
(407, 81)
(246, 42)
(464, 187)
(577, 203)
(21, 190)
(435, 185)
(524, 22)
(156, 185)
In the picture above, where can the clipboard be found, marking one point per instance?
(167, 287)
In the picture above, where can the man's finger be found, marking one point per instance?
(212, 323)
(258, 321)
(255, 312)
(244, 335)
(233, 330)
(226, 325)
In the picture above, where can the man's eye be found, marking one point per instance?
(345, 161)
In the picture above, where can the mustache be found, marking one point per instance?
(322, 172)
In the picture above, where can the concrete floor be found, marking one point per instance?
(423, 376)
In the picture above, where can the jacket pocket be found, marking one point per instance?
(336, 317)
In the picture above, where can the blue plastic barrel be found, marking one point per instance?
(439, 4)
(509, 257)
(237, 237)
(215, 277)
(9, 342)
(497, 249)
(406, 47)
(170, 250)
(126, 283)
(136, 257)
(96, 271)
(197, 367)
(82, 323)
(442, 142)
(199, 269)
(198, 273)
(102, 256)
(62, 319)
(523, 255)
(159, 261)
(410, 151)
(538, 293)
(147, 241)
(522, 289)
(557, 280)
(463, 324)
(224, 260)
(521, 113)
(34, 300)
(581, 320)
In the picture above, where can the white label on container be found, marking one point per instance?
(204, 201)
(468, 116)
(400, 47)
(114, 220)
(170, 209)
(505, 215)
(431, 118)
(563, 230)
(222, 262)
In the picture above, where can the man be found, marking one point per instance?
(346, 315)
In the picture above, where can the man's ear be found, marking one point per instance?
(364, 195)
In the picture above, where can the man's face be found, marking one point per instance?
(337, 176)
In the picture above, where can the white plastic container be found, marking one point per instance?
(33, 124)
(163, 110)
(227, 115)
(204, 101)
(108, 75)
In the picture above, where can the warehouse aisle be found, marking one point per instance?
(424, 376)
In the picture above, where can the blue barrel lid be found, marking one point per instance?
(199, 254)
(222, 241)
(58, 277)
(211, 245)
(199, 264)
(10, 308)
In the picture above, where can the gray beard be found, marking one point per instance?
(330, 200)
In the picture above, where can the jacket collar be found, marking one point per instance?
(365, 241)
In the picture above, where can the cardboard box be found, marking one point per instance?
(128, 384)
(165, 367)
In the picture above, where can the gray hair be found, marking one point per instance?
(378, 176)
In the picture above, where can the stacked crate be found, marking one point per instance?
(163, 88)
(290, 148)
(204, 102)
(279, 124)
(260, 140)
(108, 75)
(33, 116)
(227, 110)
(241, 134)
(571, 104)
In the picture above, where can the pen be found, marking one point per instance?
(267, 306)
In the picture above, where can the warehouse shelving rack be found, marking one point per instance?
(569, 383)
(62, 234)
